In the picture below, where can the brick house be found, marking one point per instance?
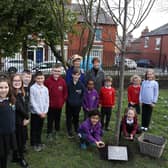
(105, 36)
(151, 45)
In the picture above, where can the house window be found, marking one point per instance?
(98, 35)
(146, 42)
(157, 44)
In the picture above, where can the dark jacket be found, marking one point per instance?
(21, 113)
(7, 118)
(75, 93)
(98, 78)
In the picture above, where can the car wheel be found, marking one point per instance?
(12, 70)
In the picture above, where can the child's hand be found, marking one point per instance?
(100, 144)
(153, 105)
(131, 137)
(42, 115)
(132, 103)
(26, 122)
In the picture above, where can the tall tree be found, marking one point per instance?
(90, 11)
(128, 14)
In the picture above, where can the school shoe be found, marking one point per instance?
(145, 129)
(50, 137)
(43, 146)
(23, 163)
(70, 135)
(37, 148)
(107, 129)
(83, 146)
(142, 128)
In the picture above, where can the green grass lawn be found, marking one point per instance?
(65, 153)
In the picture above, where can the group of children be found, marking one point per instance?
(42, 98)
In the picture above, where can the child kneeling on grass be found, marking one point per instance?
(129, 124)
(90, 131)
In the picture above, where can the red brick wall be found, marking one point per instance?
(75, 44)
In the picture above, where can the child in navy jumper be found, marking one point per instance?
(90, 131)
(148, 97)
(58, 94)
(74, 102)
(90, 98)
(7, 121)
(133, 93)
(107, 102)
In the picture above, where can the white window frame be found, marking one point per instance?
(100, 40)
(157, 43)
(146, 42)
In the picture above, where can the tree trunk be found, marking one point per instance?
(121, 82)
(24, 54)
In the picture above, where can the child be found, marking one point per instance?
(22, 119)
(58, 94)
(148, 97)
(133, 93)
(76, 60)
(27, 78)
(129, 124)
(90, 131)
(39, 103)
(90, 98)
(74, 101)
(107, 101)
(7, 121)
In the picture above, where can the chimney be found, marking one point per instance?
(146, 30)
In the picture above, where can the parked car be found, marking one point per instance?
(16, 65)
(147, 63)
(129, 63)
(46, 67)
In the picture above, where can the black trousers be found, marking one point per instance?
(72, 117)
(105, 116)
(136, 106)
(86, 114)
(146, 114)
(53, 117)
(19, 153)
(3, 162)
(36, 129)
(25, 132)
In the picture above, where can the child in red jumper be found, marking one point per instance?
(107, 101)
(133, 93)
(57, 97)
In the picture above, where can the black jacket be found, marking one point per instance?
(21, 113)
(75, 93)
(7, 118)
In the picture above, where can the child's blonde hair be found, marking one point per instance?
(152, 71)
(135, 77)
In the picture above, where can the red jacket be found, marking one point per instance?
(133, 94)
(125, 126)
(107, 97)
(57, 91)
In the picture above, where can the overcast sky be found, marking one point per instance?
(157, 17)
